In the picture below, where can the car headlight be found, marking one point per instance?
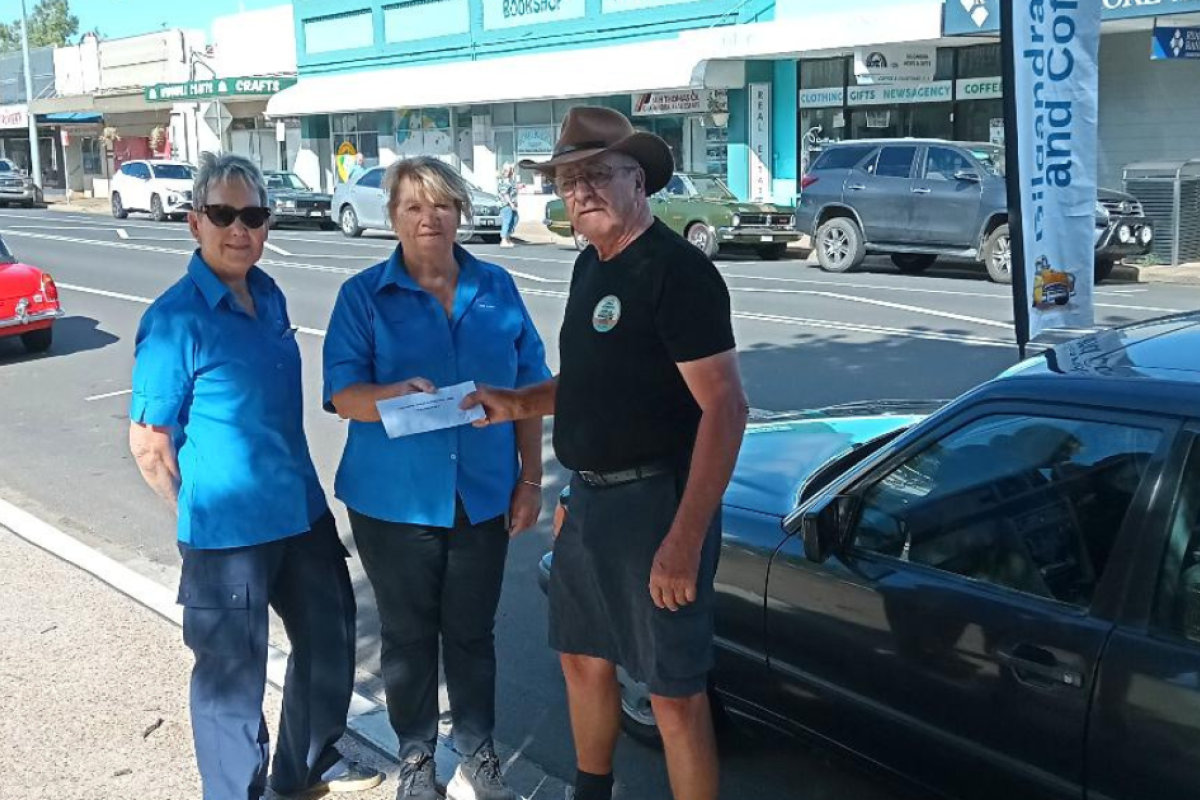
(792, 221)
(1124, 234)
(736, 221)
(1146, 235)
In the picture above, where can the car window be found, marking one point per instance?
(942, 164)
(173, 172)
(710, 186)
(6, 256)
(141, 171)
(127, 169)
(372, 180)
(991, 157)
(1027, 503)
(5, 166)
(1177, 602)
(895, 162)
(285, 180)
(676, 187)
(842, 157)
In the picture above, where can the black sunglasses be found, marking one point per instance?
(223, 216)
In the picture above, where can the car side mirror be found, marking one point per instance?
(825, 527)
(969, 175)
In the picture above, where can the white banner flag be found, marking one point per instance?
(1055, 50)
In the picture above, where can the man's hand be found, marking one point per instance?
(524, 508)
(499, 405)
(673, 575)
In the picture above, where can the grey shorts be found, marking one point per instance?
(600, 602)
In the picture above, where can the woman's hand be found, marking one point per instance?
(524, 508)
(358, 402)
(410, 386)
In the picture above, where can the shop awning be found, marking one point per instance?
(71, 118)
(619, 69)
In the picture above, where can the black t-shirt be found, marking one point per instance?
(621, 399)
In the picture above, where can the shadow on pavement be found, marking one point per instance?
(71, 335)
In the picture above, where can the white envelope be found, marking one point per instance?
(422, 412)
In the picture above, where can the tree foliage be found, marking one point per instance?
(50, 23)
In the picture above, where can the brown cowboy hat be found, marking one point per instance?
(588, 131)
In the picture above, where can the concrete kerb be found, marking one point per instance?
(367, 718)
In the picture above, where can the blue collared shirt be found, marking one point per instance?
(385, 329)
(229, 386)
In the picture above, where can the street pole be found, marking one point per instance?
(35, 155)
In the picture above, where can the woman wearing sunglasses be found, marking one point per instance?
(432, 513)
(217, 431)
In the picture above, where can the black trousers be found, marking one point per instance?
(432, 582)
(226, 595)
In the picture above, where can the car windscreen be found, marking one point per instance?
(173, 172)
(992, 159)
(285, 180)
(710, 186)
(6, 166)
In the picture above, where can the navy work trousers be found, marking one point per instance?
(226, 595)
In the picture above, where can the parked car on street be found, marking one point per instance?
(16, 186)
(918, 199)
(704, 210)
(362, 205)
(291, 200)
(162, 188)
(28, 303)
(998, 600)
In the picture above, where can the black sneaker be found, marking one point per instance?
(479, 778)
(418, 779)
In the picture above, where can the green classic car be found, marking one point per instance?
(702, 208)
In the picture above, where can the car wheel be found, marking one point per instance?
(913, 263)
(118, 208)
(272, 222)
(772, 252)
(350, 226)
(637, 715)
(703, 237)
(581, 241)
(156, 209)
(490, 238)
(997, 255)
(38, 341)
(1104, 268)
(26, 204)
(840, 246)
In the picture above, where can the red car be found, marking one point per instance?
(28, 303)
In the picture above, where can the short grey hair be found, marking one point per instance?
(217, 168)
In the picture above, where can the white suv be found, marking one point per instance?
(163, 188)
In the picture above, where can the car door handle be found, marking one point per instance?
(921, 190)
(856, 187)
(1037, 667)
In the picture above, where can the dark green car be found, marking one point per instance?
(701, 208)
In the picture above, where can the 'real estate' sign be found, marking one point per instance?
(1171, 42)
(687, 101)
(216, 88)
(499, 14)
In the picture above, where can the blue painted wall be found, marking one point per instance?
(329, 19)
(783, 79)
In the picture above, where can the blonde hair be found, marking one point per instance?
(436, 180)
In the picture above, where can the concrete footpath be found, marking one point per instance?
(94, 685)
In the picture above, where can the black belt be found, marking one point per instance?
(618, 477)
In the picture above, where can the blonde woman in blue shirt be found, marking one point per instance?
(432, 513)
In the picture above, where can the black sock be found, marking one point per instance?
(593, 787)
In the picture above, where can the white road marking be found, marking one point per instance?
(122, 233)
(534, 278)
(145, 301)
(276, 249)
(96, 397)
(882, 303)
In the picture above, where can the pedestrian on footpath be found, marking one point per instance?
(508, 188)
(432, 513)
(217, 431)
(649, 414)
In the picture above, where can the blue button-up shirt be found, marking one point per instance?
(229, 386)
(385, 329)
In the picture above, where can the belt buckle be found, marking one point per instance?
(591, 478)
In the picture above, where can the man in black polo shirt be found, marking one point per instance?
(649, 414)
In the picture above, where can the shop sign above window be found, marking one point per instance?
(886, 65)
(499, 14)
(688, 101)
(217, 87)
(14, 116)
(979, 89)
(935, 92)
(535, 141)
(822, 98)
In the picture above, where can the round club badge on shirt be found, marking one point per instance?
(607, 314)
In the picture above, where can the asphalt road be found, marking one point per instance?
(805, 339)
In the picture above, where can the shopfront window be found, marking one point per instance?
(982, 61)
(424, 132)
(93, 156)
(361, 132)
(823, 73)
(888, 122)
